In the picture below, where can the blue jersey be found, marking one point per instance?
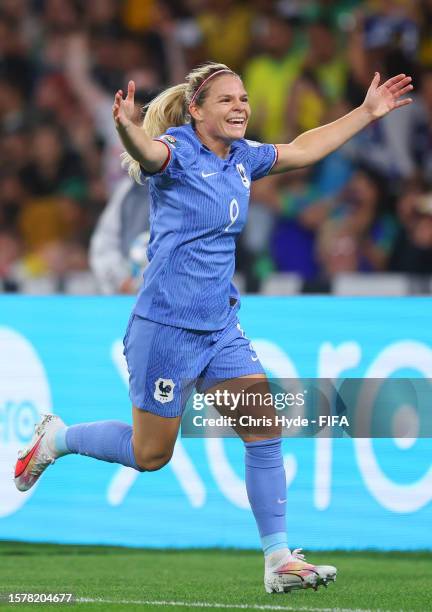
(198, 206)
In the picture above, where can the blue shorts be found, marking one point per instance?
(165, 362)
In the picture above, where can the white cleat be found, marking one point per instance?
(327, 573)
(33, 460)
(294, 573)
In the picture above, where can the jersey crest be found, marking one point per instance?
(169, 139)
(164, 390)
(241, 170)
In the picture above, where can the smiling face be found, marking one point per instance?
(225, 111)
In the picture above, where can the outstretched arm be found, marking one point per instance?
(313, 145)
(151, 154)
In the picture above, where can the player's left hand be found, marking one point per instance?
(381, 99)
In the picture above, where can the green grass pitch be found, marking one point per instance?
(154, 580)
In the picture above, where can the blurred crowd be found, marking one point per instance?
(366, 207)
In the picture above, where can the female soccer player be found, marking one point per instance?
(184, 325)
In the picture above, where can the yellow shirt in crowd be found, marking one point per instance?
(267, 82)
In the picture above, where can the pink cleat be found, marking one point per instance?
(294, 573)
(34, 459)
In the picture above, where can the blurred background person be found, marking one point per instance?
(134, 61)
(118, 248)
(269, 75)
(321, 82)
(226, 28)
(413, 247)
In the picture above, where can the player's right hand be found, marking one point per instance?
(124, 108)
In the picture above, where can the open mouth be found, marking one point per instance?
(237, 121)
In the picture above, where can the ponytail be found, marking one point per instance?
(171, 108)
(167, 110)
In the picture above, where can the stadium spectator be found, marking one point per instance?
(292, 244)
(52, 163)
(382, 40)
(14, 146)
(253, 258)
(226, 29)
(16, 65)
(124, 219)
(354, 231)
(338, 250)
(137, 15)
(413, 248)
(51, 212)
(420, 138)
(321, 82)
(10, 251)
(94, 96)
(12, 106)
(12, 194)
(269, 75)
(102, 14)
(337, 13)
(424, 19)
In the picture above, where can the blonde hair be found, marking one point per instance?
(171, 108)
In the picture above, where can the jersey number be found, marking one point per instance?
(234, 211)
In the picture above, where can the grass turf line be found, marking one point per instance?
(366, 581)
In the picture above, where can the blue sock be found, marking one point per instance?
(266, 489)
(106, 440)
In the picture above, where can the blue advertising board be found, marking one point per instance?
(64, 355)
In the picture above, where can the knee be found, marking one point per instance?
(148, 461)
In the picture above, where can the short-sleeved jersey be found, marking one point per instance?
(198, 206)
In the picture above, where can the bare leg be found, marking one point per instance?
(153, 438)
(256, 383)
